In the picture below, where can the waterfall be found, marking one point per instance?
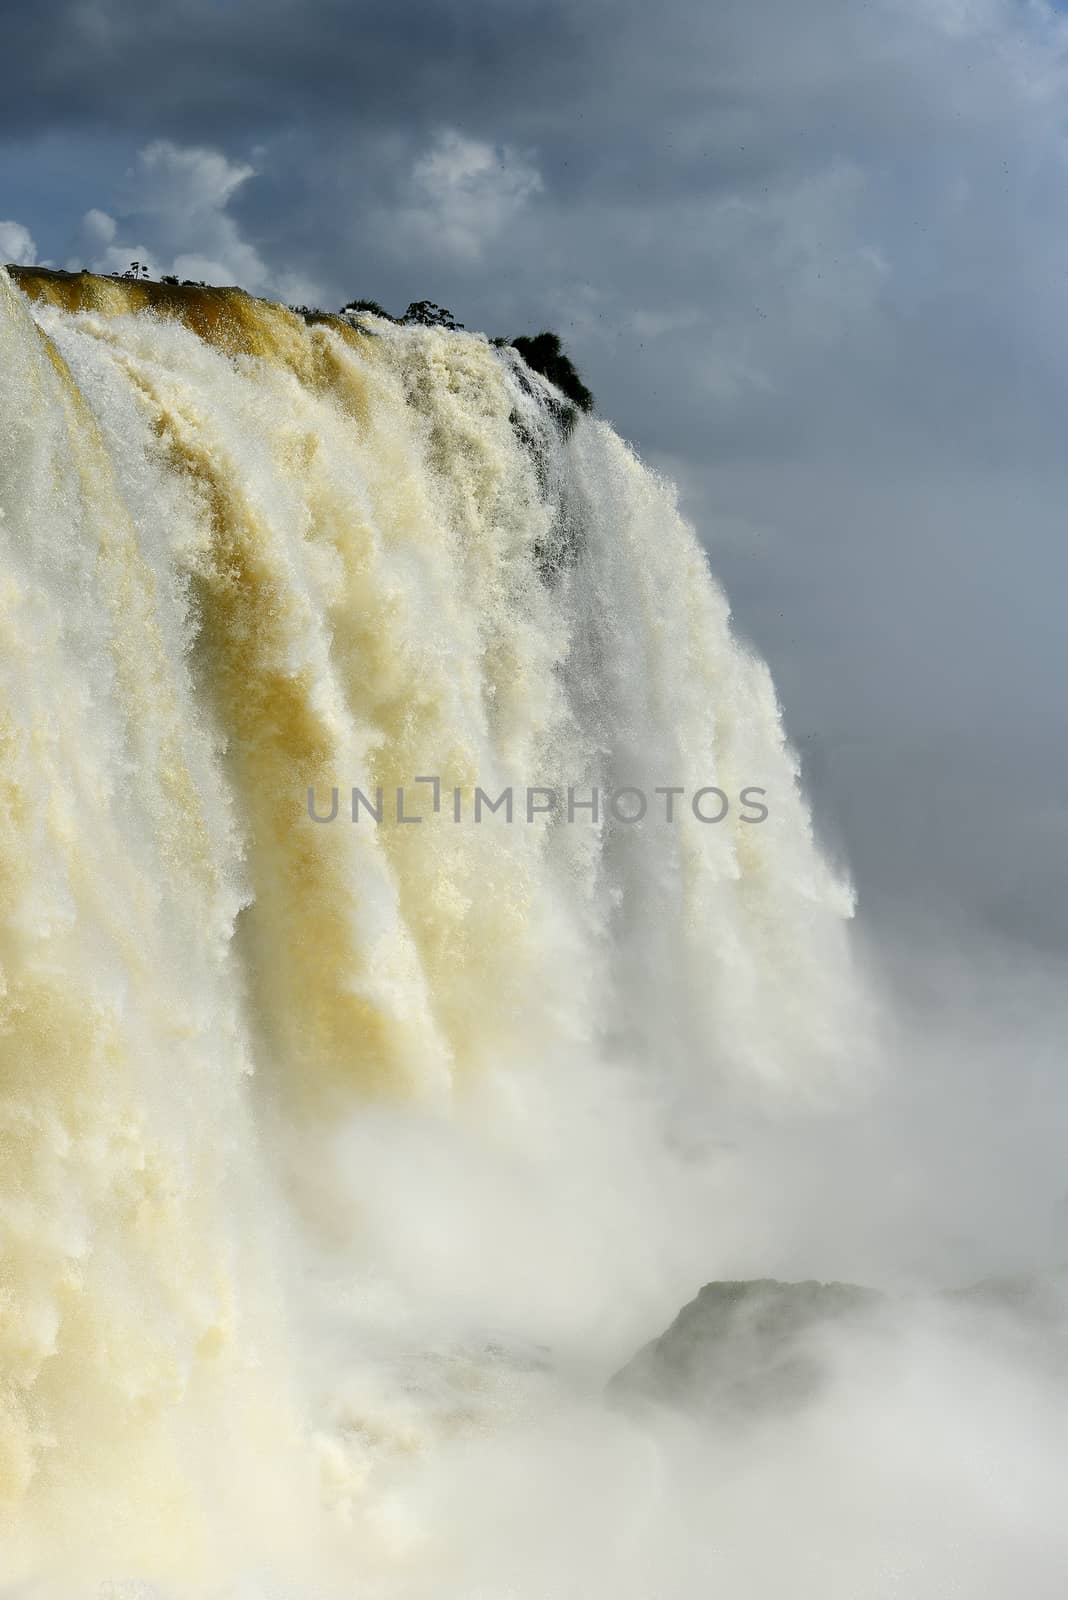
(331, 1138)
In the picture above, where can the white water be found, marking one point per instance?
(341, 1164)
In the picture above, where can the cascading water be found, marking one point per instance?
(329, 1147)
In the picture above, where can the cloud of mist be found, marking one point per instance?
(497, 1269)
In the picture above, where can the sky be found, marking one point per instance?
(812, 259)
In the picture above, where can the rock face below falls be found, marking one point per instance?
(761, 1346)
(747, 1345)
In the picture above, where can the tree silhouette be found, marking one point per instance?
(425, 314)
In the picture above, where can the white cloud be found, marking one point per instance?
(98, 228)
(461, 195)
(118, 257)
(172, 217)
(16, 245)
(172, 180)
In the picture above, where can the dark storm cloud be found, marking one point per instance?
(211, 68)
(811, 258)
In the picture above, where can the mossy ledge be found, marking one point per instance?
(227, 317)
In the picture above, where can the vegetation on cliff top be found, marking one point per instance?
(542, 352)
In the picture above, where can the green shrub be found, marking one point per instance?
(543, 353)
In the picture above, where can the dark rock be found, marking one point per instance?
(749, 1346)
(763, 1346)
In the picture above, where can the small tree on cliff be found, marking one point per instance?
(425, 314)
